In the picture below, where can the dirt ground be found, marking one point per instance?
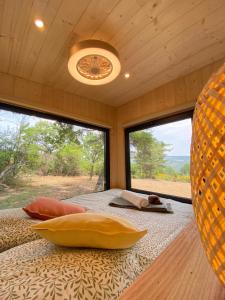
(52, 186)
(181, 189)
(66, 187)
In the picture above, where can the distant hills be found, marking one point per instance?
(177, 162)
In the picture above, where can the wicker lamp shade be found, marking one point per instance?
(208, 170)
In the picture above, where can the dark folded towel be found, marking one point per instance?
(122, 203)
(154, 199)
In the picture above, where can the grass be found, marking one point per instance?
(180, 189)
(52, 186)
(62, 187)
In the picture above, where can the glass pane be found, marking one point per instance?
(160, 158)
(42, 157)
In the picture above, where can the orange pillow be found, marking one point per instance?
(45, 208)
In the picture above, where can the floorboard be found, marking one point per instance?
(180, 272)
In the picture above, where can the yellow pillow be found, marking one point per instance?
(92, 230)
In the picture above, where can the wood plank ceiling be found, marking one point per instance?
(158, 40)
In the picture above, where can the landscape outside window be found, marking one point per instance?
(160, 158)
(45, 157)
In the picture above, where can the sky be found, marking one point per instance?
(177, 134)
(10, 120)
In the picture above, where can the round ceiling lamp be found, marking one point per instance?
(94, 62)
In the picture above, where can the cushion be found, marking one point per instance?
(91, 230)
(45, 208)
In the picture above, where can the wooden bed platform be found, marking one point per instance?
(181, 272)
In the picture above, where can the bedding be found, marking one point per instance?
(15, 228)
(41, 270)
(132, 198)
(45, 208)
(90, 230)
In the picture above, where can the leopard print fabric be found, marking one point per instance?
(15, 228)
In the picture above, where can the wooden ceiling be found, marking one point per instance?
(158, 40)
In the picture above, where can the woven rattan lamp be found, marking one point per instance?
(208, 170)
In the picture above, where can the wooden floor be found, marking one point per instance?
(181, 272)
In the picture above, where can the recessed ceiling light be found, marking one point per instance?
(127, 75)
(39, 23)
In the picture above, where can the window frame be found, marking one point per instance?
(146, 125)
(56, 117)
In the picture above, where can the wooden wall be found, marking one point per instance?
(29, 94)
(176, 96)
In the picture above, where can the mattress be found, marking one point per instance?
(41, 270)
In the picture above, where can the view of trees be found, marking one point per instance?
(49, 148)
(45, 157)
(148, 159)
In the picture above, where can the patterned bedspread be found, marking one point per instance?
(41, 270)
(15, 228)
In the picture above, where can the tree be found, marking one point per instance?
(67, 160)
(93, 147)
(49, 147)
(12, 151)
(185, 170)
(53, 148)
(67, 133)
(148, 153)
(44, 134)
(100, 182)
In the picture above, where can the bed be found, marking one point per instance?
(15, 228)
(37, 269)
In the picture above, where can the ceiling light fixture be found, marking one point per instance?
(94, 62)
(39, 23)
(127, 75)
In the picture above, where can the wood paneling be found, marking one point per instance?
(42, 97)
(176, 96)
(158, 41)
(181, 272)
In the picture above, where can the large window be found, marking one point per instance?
(44, 155)
(158, 157)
